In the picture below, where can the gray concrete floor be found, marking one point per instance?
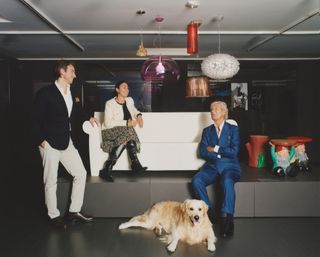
(26, 232)
(254, 237)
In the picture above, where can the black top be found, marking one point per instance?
(51, 121)
(126, 113)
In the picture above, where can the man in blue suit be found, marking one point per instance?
(219, 146)
(56, 115)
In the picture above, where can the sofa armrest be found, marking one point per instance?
(88, 128)
(96, 155)
(232, 122)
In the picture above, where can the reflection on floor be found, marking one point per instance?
(259, 237)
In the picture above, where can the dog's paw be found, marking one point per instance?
(171, 248)
(211, 247)
(165, 238)
(122, 226)
(169, 253)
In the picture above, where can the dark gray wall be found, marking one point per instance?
(4, 110)
(289, 110)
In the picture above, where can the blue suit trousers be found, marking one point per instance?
(207, 176)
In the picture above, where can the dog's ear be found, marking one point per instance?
(185, 205)
(205, 206)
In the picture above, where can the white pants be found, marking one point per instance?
(72, 162)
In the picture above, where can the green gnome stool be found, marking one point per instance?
(302, 160)
(283, 157)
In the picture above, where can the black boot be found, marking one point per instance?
(227, 226)
(106, 172)
(135, 163)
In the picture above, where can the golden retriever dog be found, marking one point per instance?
(187, 221)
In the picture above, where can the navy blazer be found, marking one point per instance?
(228, 143)
(50, 118)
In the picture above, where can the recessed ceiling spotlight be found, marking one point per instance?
(192, 4)
(141, 12)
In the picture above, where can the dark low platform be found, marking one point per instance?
(259, 194)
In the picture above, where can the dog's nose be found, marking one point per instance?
(196, 217)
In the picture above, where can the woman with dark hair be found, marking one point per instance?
(118, 133)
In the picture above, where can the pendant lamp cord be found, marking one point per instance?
(141, 37)
(219, 39)
(160, 43)
(158, 37)
(158, 20)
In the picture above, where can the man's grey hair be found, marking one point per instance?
(222, 105)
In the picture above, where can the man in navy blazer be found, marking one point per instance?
(56, 115)
(219, 146)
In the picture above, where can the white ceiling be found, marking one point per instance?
(104, 29)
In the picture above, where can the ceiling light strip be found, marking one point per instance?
(283, 30)
(171, 32)
(51, 24)
(176, 58)
(80, 32)
(301, 20)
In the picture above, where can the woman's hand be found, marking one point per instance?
(140, 121)
(132, 123)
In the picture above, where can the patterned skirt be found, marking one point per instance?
(117, 136)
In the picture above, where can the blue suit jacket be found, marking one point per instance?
(228, 143)
(51, 121)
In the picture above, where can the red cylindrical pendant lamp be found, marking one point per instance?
(192, 46)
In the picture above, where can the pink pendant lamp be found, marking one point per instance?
(159, 68)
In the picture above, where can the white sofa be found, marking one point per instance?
(169, 141)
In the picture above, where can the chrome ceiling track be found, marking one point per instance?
(285, 29)
(47, 20)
